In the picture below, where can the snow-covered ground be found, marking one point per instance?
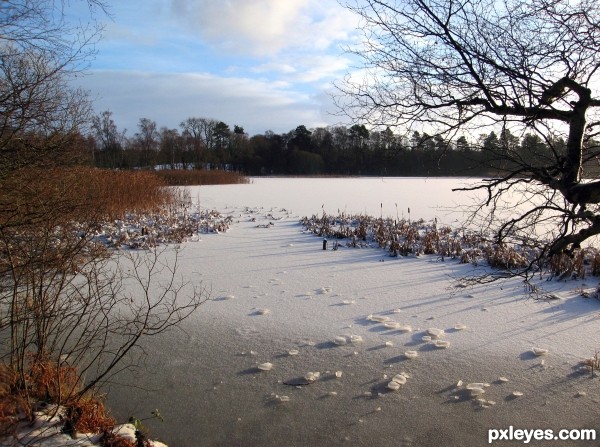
(47, 431)
(279, 298)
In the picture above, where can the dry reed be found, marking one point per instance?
(58, 195)
(404, 237)
(13, 405)
(115, 193)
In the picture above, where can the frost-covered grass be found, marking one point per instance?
(403, 237)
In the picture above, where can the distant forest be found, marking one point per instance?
(337, 150)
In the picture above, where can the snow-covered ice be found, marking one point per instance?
(211, 392)
(205, 389)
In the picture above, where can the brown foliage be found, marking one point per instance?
(12, 403)
(32, 196)
(90, 416)
(120, 192)
(51, 382)
(112, 440)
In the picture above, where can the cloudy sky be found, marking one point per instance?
(261, 64)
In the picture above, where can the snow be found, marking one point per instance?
(46, 431)
(207, 382)
(279, 299)
(427, 198)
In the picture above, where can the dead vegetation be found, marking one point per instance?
(592, 363)
(47, 384)
(405, 237)
(68, 322)
(30, 196)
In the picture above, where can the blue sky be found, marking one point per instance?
(261, 64)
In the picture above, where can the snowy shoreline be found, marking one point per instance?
(47, 431)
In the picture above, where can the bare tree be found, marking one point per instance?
(524, 66)
(68, 305)
(43, 25)
(171, 148)
(109, 140)
(200, 132)
(65, 300)
(147, 141)
(40, 52)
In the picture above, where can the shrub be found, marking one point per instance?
(64, 311)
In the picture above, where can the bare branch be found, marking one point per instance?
(525, 67)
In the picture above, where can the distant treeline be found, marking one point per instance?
(337, 150)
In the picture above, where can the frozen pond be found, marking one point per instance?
(275, 291)
(427, 198)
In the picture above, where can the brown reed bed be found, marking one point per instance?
(191, 177)
(133, 209)
(29, 195)
(401, 237)
(118, 192)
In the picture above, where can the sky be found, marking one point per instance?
(260, 64)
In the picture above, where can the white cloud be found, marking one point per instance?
(305, 69)
(265, 27)
(169, 98)
(319, 67)
(274, 67)
(261, 64)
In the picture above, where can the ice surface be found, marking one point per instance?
(206, 390)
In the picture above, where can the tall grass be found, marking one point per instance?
(115, 193)
(30, 197)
